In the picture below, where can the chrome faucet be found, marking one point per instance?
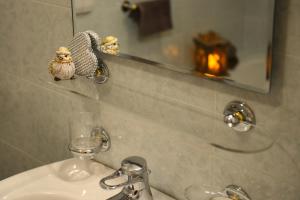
(137, 184)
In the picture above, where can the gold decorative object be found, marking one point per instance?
(128, 6)
(110, 45)
(62, 67)
(214, 55)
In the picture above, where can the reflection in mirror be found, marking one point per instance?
(228, 40)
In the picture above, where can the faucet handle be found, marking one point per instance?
(115, 175)
(134, 167)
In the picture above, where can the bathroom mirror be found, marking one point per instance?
(225, 40)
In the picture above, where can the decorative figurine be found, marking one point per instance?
(110, 45)
(62, 67)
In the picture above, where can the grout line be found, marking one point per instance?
(284, 54)
(51, 4)
(59, 91)
(291, 56)
(252, 169)
(164, 98)
(20, 151)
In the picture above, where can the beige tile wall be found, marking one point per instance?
(169, 118)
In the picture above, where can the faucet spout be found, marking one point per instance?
(137, 185)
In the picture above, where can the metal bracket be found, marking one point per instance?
(105, 139)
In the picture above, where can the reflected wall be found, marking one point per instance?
(247, 25)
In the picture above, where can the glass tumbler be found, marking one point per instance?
(87, 137)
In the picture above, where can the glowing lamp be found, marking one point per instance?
(214, 56)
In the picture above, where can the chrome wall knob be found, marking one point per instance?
(231, 120)
(239, 116)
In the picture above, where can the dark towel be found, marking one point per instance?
(152, 16)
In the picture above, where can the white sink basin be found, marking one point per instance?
(71, 179)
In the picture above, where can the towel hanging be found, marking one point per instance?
(151, 16)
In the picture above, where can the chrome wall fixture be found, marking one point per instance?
(232, 192)
(101, 133)
(239, 116)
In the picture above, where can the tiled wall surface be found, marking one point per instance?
(169, 118)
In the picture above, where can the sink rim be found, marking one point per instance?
(48, 179)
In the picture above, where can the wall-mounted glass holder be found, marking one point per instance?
(231, 192)
(86, 146)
